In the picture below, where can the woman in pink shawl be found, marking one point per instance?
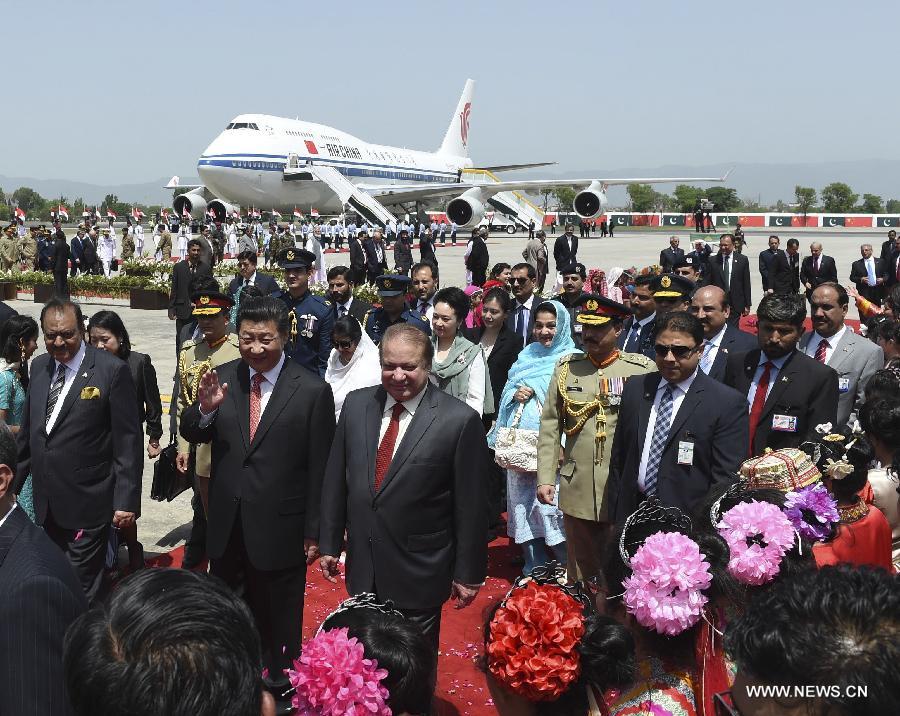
(604, 285)
(473, 320)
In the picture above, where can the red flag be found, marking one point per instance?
(136, 214)
(20, 214)
(275, 213)
(297, 213)
(63, 212)
(311, 147)
(110, 214)
(313, 212)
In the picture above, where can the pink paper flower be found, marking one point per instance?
(758, 535)
(332, 677)
(665, 589)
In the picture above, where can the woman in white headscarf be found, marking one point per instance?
(320, 270)
(353, 362)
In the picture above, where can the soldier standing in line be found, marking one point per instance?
(582, 406)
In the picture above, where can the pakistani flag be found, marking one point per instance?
(620, 219)
(780, 220)
(727, 219)
(887, 221)
(673, 220)
(833, 221)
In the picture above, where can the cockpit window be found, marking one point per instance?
(242, 125)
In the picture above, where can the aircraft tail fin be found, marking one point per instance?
(456, 140)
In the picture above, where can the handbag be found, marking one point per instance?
(516, 448)
(168, 482)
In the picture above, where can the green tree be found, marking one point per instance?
(5, 212)
(724, 198)
(892, 206)
(546, 193)
(686, 197)
(837, 197)
(805, 197)
(110, 201)
(872, 204)
(642, 196)
(564, 197)
(28, 199)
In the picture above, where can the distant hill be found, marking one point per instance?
(766, 182)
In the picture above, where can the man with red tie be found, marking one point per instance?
(816, 269)
(407, 480)
(788, 393)
(270, 422)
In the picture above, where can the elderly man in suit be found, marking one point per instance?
(81, 441)
(669, 258)
(376, 256)
(406, 481)
(680, 434)
(869, 274)
(270, 422)
(720, 339)
(817, 269)
(637, 331)
(730, 271)
(833, 343)
(787, 392)
(41, 598)
(766, 258)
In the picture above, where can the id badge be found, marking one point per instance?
(685, 452)
(784, 423)
(843, 385)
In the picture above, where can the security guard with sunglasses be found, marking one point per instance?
(579, 420)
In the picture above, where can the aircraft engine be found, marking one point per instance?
(590, 202)
(193, 201)
(466, 210)
(222, 209)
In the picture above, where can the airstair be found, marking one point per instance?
(512, 203)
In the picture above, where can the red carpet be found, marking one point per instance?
(461, 688)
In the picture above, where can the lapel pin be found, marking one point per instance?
(784, 379)
(84, 375)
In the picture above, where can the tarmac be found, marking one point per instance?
(163, 526)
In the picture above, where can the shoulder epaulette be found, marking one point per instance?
(190, 343)
(571, 357)
(637, 359)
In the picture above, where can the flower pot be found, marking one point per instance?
(148, 299)
(8, 291)
(43, 292)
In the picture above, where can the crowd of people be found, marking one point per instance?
(699, 511)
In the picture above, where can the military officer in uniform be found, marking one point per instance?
(214, 347)
(581, 413)
(312, 317)
(8, 250)
(672, 292)
(392, 289)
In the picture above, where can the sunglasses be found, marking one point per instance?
(678, 351)
(520, 279)
(344, 345)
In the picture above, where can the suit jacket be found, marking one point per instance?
(76, 246)
(403, 257)
(738, 292)
(357, 254)
(478, 259)
(511, 318)
(562, 255)
(143, 374)
(273, 484)
(734, 341)
(59, 263)
(91, 462)
(374, 267)
(263, 282)
(765, 266)
(180, 295)
(701, 260)
(504, 353)
(41, 599)
(712, 417)
(426, 525)
(887, 253)
(805, 389)
(358, 309)
(854, 359)
(647, 335)
(858, 272)
(892, 269)
(668, 257)
(827, 272)
(784, 273)
(426, 249)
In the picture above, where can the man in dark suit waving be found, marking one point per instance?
(407, 480)
(81, 441)
(730, 271)
(270, 422)
(788, 393)
(41, 598)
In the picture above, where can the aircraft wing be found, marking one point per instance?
(399, 194)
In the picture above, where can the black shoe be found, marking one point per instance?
(136, 557)
(193, 558)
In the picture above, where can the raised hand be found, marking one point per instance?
(211, 394)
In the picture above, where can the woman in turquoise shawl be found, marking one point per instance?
(533, 526)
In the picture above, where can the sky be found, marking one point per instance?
(130, 92)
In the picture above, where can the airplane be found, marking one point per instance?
(265, 161)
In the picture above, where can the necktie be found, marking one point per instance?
(386, 446)
(821, 349)
(55, 390)
(817, 265)
(726, 271)
(759, 400)
(870, 270)
(342, 311)
(255, 403)
(632, 345)
(423, 308)
(658, 441)
(898, 267)
(520, 320)
(246, 282)
(706, 358)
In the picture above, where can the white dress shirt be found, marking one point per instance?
(679, 390)
(636, 328)
(265, 391)
(777, 365)
(250, 281)
(714, 344)
(345, 306)
(410, 406)
(815, 339)
(72, 368)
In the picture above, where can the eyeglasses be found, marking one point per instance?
(723, 704)
(678, 351)
(519, 279)
(343, 345)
